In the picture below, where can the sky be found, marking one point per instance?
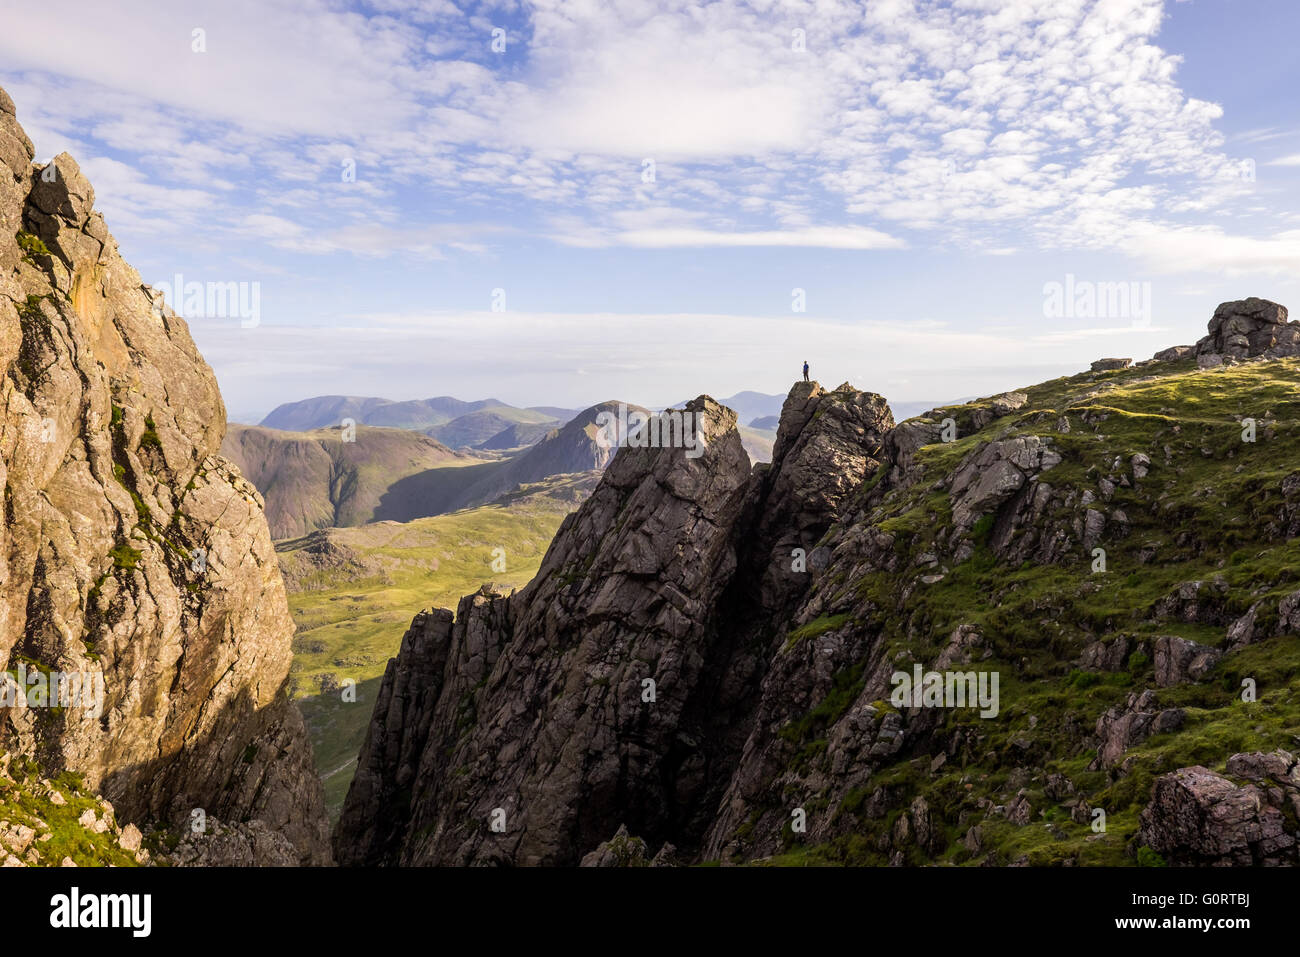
(566, 201)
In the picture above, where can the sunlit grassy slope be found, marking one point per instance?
(1210, 510)
(354, 591)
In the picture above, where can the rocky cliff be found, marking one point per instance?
(131, 552)
(707, 667)
(616, 687)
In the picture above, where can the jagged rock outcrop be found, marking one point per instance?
(1178, 660)
(1174, 354)
(1128, 724)
(1199, 817)
(827, 444)
(995, 473)
(615, 689)
(131, 551)
(1250, 327)
(904, 440)
(1110, 365)
(621, 850)
(625, 595)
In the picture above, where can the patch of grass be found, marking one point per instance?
(124, 556)
(32, 246)
(29, 310)
(26, 801)
(1149, 858)
(150, 440)
(818, 626)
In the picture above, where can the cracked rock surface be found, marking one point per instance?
(130, 549)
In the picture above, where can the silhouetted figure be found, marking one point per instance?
(805, 370)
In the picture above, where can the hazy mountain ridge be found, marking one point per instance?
(325, 411)
(478, 429)
(314, 480)
(454, 422)
(321, 478)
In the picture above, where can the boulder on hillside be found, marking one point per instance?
(1108, 365)
(1123, 726)
(1174, 353)
(1178, 660)
(1199, 817)
(1250, 327)
(994, 472)
(999, 406)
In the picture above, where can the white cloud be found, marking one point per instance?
(824, 237)
(977, 122)
(1208, 249)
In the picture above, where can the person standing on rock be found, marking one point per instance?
(805, 370)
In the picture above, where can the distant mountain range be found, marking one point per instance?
(418, 458)
(314, 479)
(329, 477)
(491, 423)
(453, 422)
(326, 410)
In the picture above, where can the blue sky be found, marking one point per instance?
(920, 170)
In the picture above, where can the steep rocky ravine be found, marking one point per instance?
(131, 550)
(703, 669)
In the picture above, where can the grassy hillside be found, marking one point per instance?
(1208, 508)
(315, 480)
(318, 480)
(354, 591)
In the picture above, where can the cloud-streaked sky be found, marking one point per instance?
(644, 185)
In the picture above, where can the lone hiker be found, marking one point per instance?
(805, 370)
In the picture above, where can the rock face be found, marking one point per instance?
(1199, 817)
(995, 473)
(616, 689)
(1125, 725)
(131, 551)
(1179, 660)
(1248, 328)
